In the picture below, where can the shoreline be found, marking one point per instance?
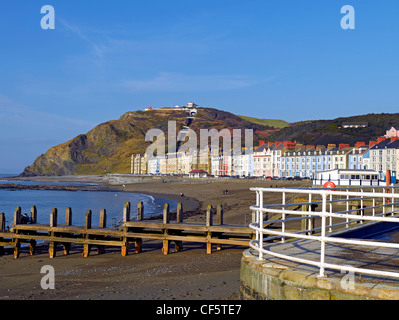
(150, 275)
(190, 205)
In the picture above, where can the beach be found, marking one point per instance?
(149, 275)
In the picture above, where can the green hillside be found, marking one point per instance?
(267, 122)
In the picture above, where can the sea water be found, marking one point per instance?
(79, 201)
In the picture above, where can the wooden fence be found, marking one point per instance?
(128, 232)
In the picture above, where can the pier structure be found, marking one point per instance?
(213, 232)
(339, 252)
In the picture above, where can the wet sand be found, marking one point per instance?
(150, 275)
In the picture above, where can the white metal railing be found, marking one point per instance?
(384, 205)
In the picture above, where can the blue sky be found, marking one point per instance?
(287, 60)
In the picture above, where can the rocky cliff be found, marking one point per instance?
(108, 146)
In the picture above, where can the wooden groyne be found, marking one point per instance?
(130, 231)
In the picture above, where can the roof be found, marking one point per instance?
(386, 144)
(198, 171)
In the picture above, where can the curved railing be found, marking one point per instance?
(382, 206)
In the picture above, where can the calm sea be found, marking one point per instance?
(79, 201)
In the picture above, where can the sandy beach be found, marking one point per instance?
(150, 275)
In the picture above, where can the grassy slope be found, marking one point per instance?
(267, 122)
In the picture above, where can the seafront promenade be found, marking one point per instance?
(347, 249)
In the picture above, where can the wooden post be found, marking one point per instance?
(33, 214)
(2, 221)
(166, 213)
(179, 213)
(68, 222)
(17, 215)
(17, 244)
(102, 224)
(208, 222)
(179, 219)
(209, 216)
(32, 247)
(53, 217)
(103, 218)
(86, 246)
(2, 229)
(140, 211)
(138, 243)
(68, 216)
(219, 221)
(166, 242)
(126, 218)
(53, 223)
(219, 214)
(126, 212)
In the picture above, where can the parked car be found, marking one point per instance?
(297, 178)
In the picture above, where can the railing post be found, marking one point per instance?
(323, 235)
(256, 218)
(330, 218)
(347, 208)
(383, 202)
(282, 217)
(261, 226)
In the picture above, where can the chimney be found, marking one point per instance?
(343, 145)
(379, 139)
(372, 143)
(359, 144)
(319, 147)
(394, 138)
(331, 146)
(261, 142)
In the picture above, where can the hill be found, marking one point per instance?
(267, 122)
(332, 131)
(109, 146)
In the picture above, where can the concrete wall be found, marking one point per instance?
(261, 280)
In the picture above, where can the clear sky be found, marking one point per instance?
(282, 59)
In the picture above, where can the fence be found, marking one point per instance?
(338, 209)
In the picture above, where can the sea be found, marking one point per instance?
(79, 201)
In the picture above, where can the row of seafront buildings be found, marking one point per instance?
(281, 159)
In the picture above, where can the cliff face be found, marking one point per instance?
(108, 146)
